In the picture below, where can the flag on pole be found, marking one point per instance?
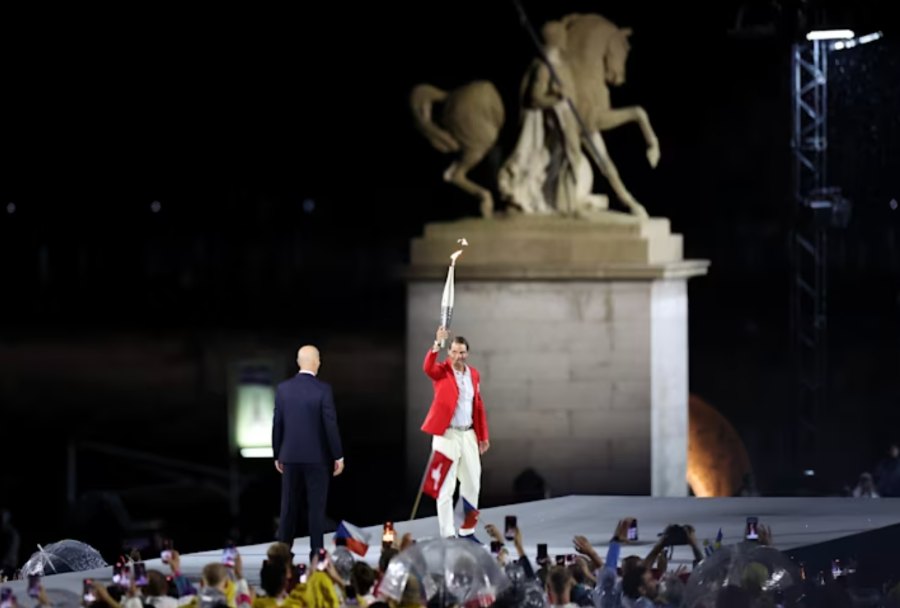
(465, 515)
(437, 474)
(357, 540)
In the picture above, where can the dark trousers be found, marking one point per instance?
(297, 481)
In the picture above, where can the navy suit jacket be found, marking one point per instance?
(305, 430)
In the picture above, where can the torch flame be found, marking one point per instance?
(463, 243)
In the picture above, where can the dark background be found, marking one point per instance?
(290, 179)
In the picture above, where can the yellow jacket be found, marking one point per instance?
(317, 592)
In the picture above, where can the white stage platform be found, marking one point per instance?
(795, 522)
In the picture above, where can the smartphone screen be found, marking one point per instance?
(125, 579)
(34, 585)
(322, 564)
(166, 554)
(89, 597)
(751, 532)
(496, 545)
(140, 574)
(570, 559)
(118, 569)
(510, 526)
(633, 530)
(542, 551)
(560, 560)
(229, 553)
(300, 573)
(836, 568)
(387, 536)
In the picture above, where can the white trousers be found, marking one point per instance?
(461, 447)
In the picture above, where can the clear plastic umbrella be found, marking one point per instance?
(446, 572)
(343, 562)
(745, 572)
(522, 592)
(63, 556)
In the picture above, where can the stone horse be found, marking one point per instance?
(471, 118)
(594, 51)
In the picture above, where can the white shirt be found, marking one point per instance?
(462, 415)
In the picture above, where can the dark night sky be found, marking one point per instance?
(276, 141)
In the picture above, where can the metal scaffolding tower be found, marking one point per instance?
(809, 65)
(809, 251)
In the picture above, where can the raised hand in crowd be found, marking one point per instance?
(583, 546)
(406, 540)
(695, 546)
(103, 597)
(175, 562)
(662, 562)
(517, 541)
(587, 572)
(494, 533)
(330, 569)
(765, 535)
(238, 568)
(42, 598)
(622, 529)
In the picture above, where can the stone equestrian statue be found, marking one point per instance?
(549, 171)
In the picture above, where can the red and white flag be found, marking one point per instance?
(437, 473)
(356, 539)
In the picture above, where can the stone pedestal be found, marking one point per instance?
(580, 332)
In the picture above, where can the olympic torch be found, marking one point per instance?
(447, 296)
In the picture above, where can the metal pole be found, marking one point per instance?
(415, 508)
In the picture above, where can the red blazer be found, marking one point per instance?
(446, 396)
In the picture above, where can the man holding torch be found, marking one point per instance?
(458, 424)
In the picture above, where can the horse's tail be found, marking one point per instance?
(421, 100)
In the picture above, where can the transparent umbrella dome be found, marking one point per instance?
(448, 571)
(343, 562)
(64, 556)
(745, 571)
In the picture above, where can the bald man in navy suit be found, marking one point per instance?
(307, 447)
